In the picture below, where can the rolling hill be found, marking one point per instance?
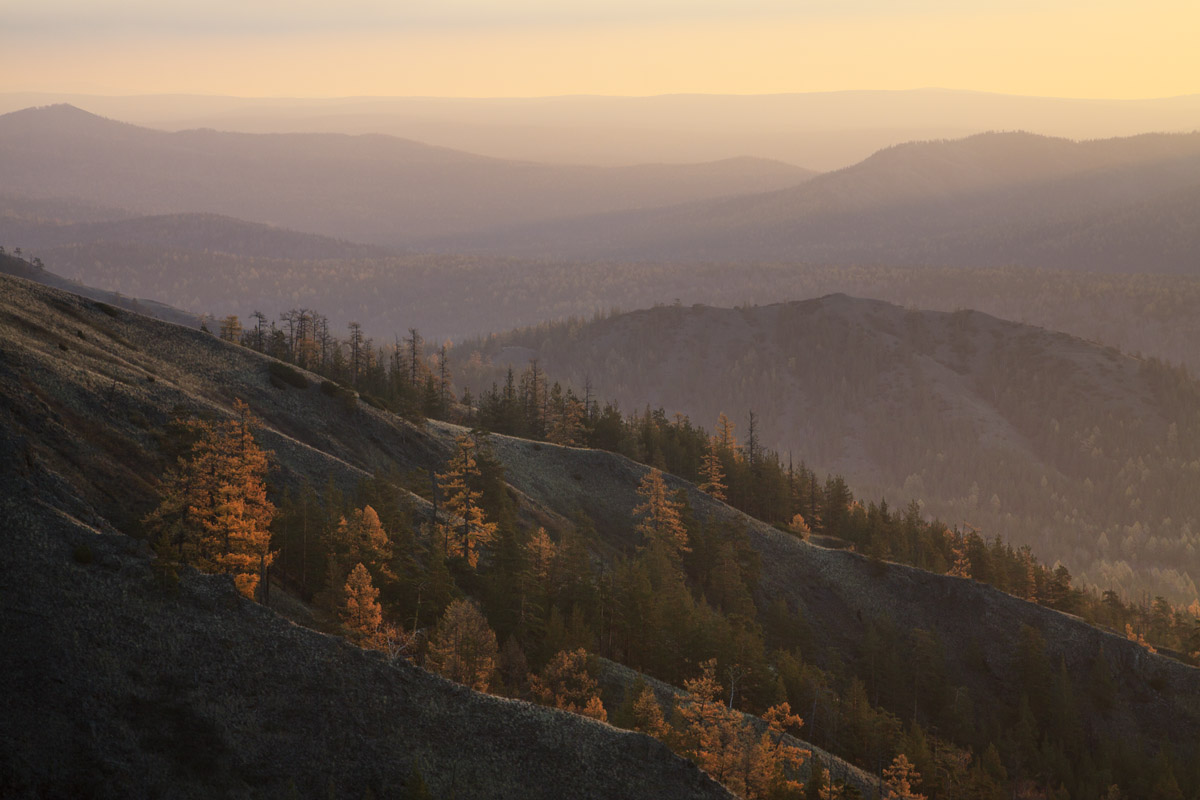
(87, 393)
(1085, 453)
(370, 188)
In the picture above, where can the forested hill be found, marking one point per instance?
(95, 401)
(369, 188)
(995, 199)
(1089, 455)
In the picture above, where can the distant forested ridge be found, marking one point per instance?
(1090, 456)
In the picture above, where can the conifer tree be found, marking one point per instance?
(662, 520)
(725, 435)
(464, 647)
(214, 511)
(462, 501)
(713, 473)
(900, 777)
(361, 613)
(231, 329)
(565, 683)
(648, 716)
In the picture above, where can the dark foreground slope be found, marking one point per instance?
(115, 688)
(115, 685)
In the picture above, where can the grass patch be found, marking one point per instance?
(111, 311)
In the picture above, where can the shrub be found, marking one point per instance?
(281, 374)
(83, 554)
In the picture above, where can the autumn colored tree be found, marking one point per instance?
(725, 437)
(362, 538)
(713, 473)
(214, 513)
(958, 548)
(900, 777)
(647, 715)
(710, 733)
(231, 329)
(462, 501)
(661, 519)
(566, 683)
(463, 648)
(361, 614)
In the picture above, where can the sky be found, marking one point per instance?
(527, 48)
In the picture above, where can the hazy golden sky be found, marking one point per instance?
(312, 48)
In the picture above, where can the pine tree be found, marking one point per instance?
(361, 613)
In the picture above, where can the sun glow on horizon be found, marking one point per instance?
(1103, 50)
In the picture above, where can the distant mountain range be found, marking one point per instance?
(819, 130)
(993, 199)
(371, 188)
(1086, 454)
(997, 199)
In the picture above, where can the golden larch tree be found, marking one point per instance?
(361, 614)
(647, 715)
(214, 513)
(725, 438)
(958, 548)
(900, 777)
(566, 683)
(725, 745)
(713, 473)
(462, 501)
(661, 520)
